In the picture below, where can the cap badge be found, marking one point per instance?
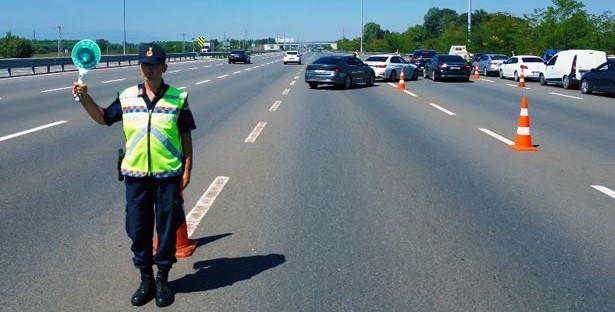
(149, 52)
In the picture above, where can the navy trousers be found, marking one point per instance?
(153, 203)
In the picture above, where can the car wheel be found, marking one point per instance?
(516, 76)
(229, 61)
(543, 81)
(585, 87)
(347, 82)
(393, 76)
(372, 79)
(425, 74)
(501, 74)
(433, 76)
(485, 73)
(416, 75)
(313, 85)
(566, 82)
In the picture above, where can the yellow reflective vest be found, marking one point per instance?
(153, 143)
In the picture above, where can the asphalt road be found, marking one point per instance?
(368, 199)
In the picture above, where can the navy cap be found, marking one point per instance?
(152, 53)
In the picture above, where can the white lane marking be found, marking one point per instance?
(114, 80)
(248, 69)
(193, 68)
(57, 89)
(181, 88)
(292, 83)
(517, 86)
(487, 80)
(196, 214)
(568, 96)
(237, 72)
(296, 77)
(14, 135)
(285, 92)
(204, 81)
(410, 93)
(604, 190)
(256, 132)
(174, 71)
(442, 109)
(497, 136)
(275, 106)
(223, 76)
(206, 66)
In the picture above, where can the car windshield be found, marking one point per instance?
(291, 53)
(237, 52)
(327, 60)
(376, 59)
(499, 57)
(532, 59)
(423, 53)
(450, 58)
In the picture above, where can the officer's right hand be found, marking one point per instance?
(80, 89)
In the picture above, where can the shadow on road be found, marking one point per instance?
(221, 272)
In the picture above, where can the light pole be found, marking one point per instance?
(361, 26)
(124, 27)
(469, 21)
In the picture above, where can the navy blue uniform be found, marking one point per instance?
(153, 201)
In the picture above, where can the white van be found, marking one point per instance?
(458, 50)
(566, 67)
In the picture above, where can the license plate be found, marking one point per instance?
(535, 72)
(455, 67)
(320, 71)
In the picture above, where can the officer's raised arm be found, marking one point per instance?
(96, 112)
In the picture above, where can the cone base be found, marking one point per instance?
(524, 148)
(187, 250)
(401, 87)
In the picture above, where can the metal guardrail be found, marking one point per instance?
(109, 60)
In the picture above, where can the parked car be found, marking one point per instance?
(444, 66)
(339, 70)
(239, 56)
(292, 57)
(490, 63)
(458, 50)
(532, 66)
(567, 67)
(389, 66)
(599, 79)
(420, 57)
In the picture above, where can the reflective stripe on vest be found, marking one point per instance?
(153, 144)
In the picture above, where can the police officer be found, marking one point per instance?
(157, 164)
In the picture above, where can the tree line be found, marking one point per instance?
(564, 25)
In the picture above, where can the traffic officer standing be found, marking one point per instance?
(157, 164)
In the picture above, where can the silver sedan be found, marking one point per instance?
(389, 67)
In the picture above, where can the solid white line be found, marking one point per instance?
(292, 83)
(114, 80)
(442, 109)
(392, 84)
(604, 190)
(497, 136)
(58, 89)
(410, 93)
(285, 92)
(196, 214)
(223, 76)
(204, 81)
(53, 124)
(256, 132)
(568, 96)
(275, 106)
(181, 88)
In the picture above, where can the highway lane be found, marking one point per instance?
(357, 199)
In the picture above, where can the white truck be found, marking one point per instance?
(458, 50)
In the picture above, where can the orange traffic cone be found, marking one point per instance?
(184, 247)
(523, 139)
(522, 78)
(402, 82)
(476, 75)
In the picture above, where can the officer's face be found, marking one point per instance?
(152, 72)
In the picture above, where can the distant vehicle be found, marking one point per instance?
(444, 66)
(599, 79)
(239, 56)
(292, 57)
(548, 54)
(490, 63)
(532, 66)
(339, 70)
(458, 50)
(567, 67)
(389, 66)
(420, 57)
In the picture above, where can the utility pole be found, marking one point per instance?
(361, 26)
(59, 39)
(183, 42)
(124, 27)
(469, 21)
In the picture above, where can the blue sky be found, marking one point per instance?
(307, 20)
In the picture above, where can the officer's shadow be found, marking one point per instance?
(222, 272)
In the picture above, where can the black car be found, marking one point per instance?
(420, 57)
(444, 66)
(239, 56)
(339, 70)
(599, 79)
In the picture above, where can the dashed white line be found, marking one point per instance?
(410, 93)
(292, 83)
(248, 69)
(285, 92)
(193, 68)
(442, 109)
(237, 72)
(206, 66)
(181, 88)
(275, 106)
(204, 81)
(604, 190)
(568, 96)
(256, 132)
(196, 214)
(223, 76)
(14, 135)
(57, 89)
(174, 71)
(487, 80)
(296, 77)
(497, 136)
(114, 80)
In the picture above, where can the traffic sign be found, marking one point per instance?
(200, 41)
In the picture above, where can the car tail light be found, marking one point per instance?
(573, 70)
(337, 69)
(381, 66)
(493, 62)
(441, 66)
(467, 66)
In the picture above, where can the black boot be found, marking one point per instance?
(164, 296)
(147, 289)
